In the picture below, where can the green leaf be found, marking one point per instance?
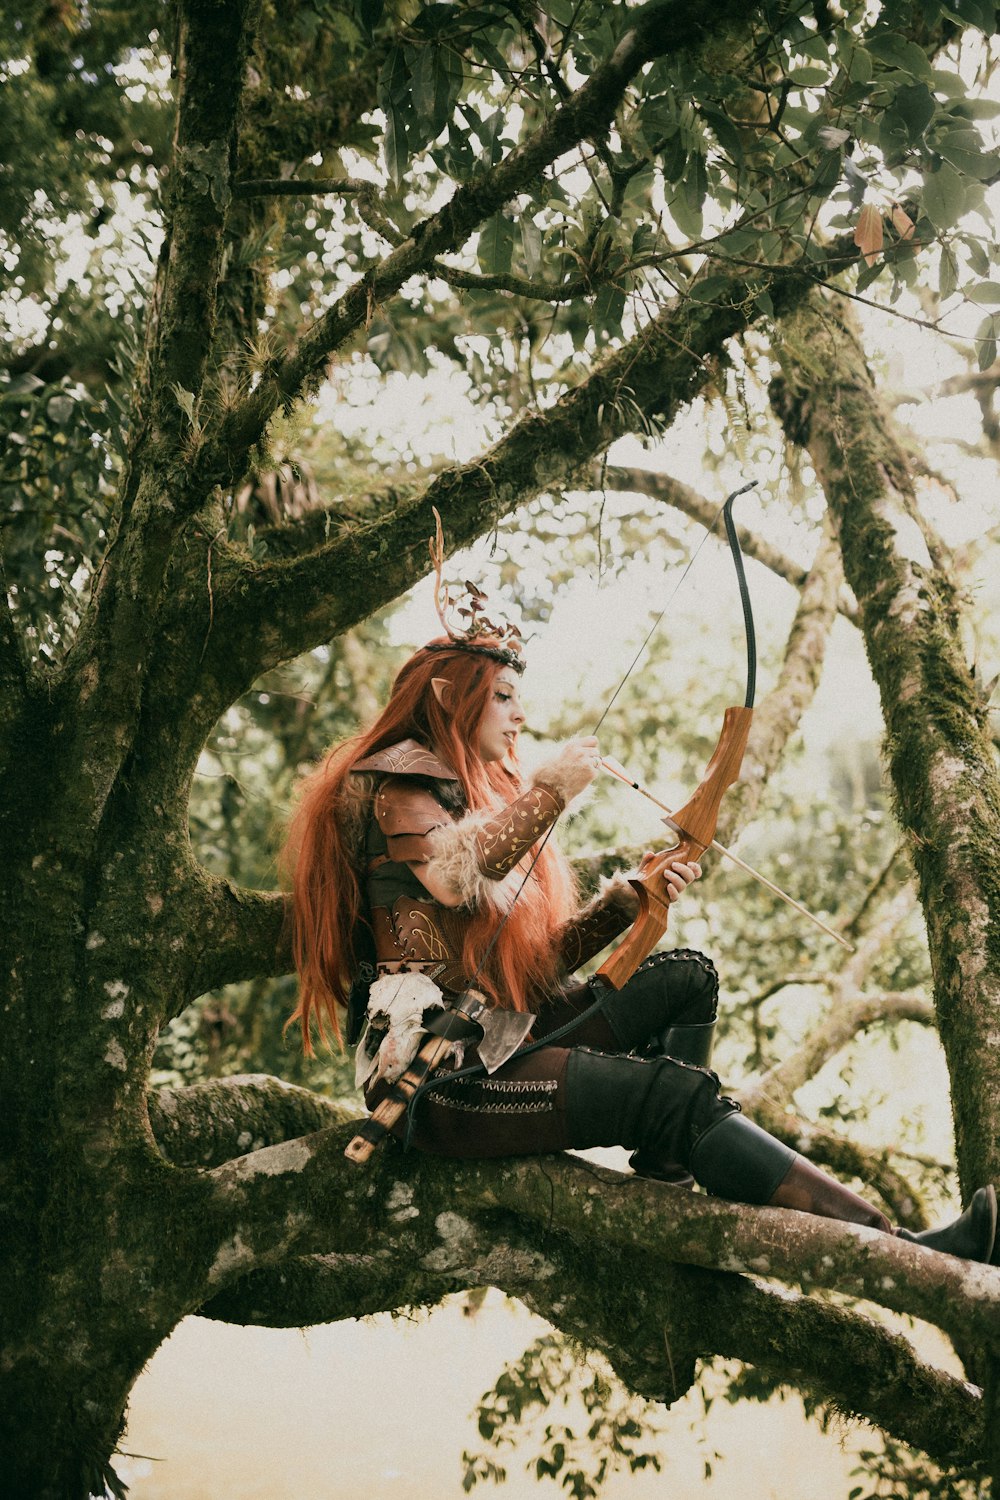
(724, 130)
(986, 341)
(978, 13)
(369, 13)
(944, 196)
(915, 104)
(860, 67)
(710, 289)
(438, 75)
(393, 78)
(978, 258)
(496, 245)
(394, 144)
(690, 197)
(986, 294)
(899, 52)
(965, 150)
(808, 77)
(531, 245)
(869, 274)
(609, 305)
(393, 94)
(639, 188)
(947, 271)
(434, 18)
(674, 157)
(764, 304)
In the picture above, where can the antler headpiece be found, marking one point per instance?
(471, 608)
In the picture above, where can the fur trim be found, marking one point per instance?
(456, 861)
(396, 1007)
(569, 772)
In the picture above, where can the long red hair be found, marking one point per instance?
(321, 860)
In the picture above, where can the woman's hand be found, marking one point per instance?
(677, 874)
(572, 768)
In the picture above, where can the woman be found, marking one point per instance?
(420, 856)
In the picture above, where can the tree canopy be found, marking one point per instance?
(223, 228)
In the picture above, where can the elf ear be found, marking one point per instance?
(442, 691)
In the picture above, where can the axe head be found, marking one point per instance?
(503, 1030)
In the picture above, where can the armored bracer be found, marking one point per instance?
(476, 856)
(597, 924)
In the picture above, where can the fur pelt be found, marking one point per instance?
(456, 861)
(353, 811)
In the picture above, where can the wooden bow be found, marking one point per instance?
(696, 821)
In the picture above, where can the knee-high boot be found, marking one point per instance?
(687, 1044)
(736, 1159)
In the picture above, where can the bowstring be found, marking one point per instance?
(670, 598)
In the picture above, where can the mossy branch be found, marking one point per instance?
(208, 1123)
(302, 1197)
(941, 758)
(13, 672)
(661, 27)
(845, 1021)
(832, 1354)
(107, 665)
(232, 933)
(307, 599)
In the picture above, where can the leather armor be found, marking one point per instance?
(416, 793)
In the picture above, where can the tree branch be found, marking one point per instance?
(209, 1123)
(689, 502)
(107, 664)
(303, 1198)
(13, 674)
(650, 1322)
(839, 1028)
(849, 1010)
(665, 25)
(769, 1098)
(943, 768)
(274, 610)
(365, 193)
(231, 933)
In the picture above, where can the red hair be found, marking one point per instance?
(328, 905)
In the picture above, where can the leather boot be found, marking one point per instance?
(687, 1044)
(973, 1236)
(736, 1159)
(811, 1191)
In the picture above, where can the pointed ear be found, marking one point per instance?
(442, 691)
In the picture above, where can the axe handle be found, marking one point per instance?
(393, 1106)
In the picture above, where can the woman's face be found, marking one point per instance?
(502, 717)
